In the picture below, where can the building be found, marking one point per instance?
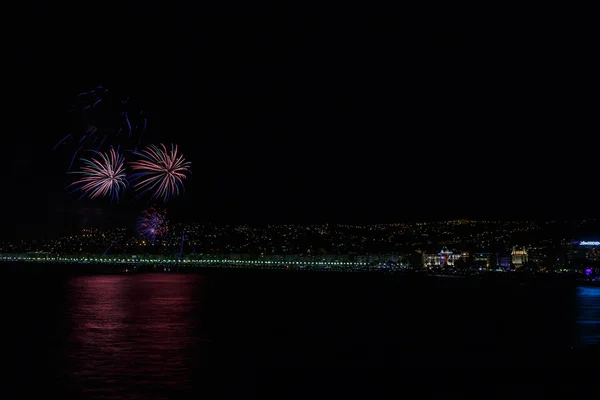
(590, 249)
(443, 258)
(416, 259)
(538, 255)
(482, 260)
(519, 257)
(579, 254)
(569, 254)
(502, 260)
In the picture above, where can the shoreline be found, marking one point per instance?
(487, 277)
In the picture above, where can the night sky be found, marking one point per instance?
(309, 115)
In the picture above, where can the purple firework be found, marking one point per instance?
(152, 224)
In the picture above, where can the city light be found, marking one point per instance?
(318, 247)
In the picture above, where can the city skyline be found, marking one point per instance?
(457, 247)
(311, 126)
(462, 233)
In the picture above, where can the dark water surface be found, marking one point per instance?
(154, 336)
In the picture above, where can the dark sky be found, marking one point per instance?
(294, 115)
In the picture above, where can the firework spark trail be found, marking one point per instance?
(61, 141)
(73, 158)
(103, 176)
(128, 123)
(98, 114)
(101, 142)
(85, 102)
(152, 224)
(111, 245)
(160, 171)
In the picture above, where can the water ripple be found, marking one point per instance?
(588, 316)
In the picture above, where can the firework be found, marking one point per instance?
(103, 175)
(152, 224)
(160, 172)
(101, 120)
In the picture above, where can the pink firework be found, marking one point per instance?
(102, 176)
(152, 223)
(160, 172)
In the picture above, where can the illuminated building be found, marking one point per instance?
(538, 255)
(481, 259)
(502, 260)
(579, 254)
(519, 257)
(443, 258)
(589, 250)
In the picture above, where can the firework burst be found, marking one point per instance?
(103, 175)
(152, 224)
(160, 172)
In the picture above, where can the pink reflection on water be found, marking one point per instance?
(134, 329)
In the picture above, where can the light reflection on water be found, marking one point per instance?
(588, 316)
(151, 336)
(132, 332)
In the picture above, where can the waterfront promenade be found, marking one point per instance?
(233, 260)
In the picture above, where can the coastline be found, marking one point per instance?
(488, 277)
